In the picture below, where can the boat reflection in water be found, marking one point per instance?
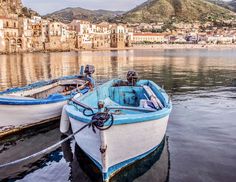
(22, 145)
(83, 169)
(71, 164)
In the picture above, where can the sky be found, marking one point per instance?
(48, 6)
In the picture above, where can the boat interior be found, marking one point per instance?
(138, 97)
(60, 88)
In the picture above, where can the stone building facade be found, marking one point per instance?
(9, 10)
(118, 36)
(2, 42)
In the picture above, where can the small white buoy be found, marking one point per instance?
(65, 121)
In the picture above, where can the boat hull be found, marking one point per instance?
(16, 117)
(121, 145)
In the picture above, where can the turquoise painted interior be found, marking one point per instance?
(123, 96)
(126, 95)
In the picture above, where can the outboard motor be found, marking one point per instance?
(132, 78)
(89, 70)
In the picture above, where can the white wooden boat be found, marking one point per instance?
(38, 102)
(133, 124)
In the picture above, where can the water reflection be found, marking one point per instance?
(155, 167)
(176, 70)
(70, 159)
(29, 144)
(201, 147)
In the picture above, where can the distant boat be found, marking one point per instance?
(40, 102)
(131, 120)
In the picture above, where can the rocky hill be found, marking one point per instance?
(231, 5)
(68, 14)
(16, 7)
(177, 10)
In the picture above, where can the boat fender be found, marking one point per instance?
(65, 122)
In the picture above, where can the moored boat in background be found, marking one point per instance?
(129, 122)
(40, 102)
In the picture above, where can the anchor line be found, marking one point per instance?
(95, 122)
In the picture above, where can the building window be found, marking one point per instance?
(14, 24)
(7, 24)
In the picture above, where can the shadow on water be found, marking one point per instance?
(24, 144)
(77, 165)
(28, 132)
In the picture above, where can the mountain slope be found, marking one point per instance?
(180, 10)
(68, 14)
(232, 5)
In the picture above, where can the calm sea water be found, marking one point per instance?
(201, 136)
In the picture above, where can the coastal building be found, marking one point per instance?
(220, 39)
(55, 36)
(84, 30)
(2, 42)
(118, 36)
(25, 33)
(101, 36)
(150, 38)
(61, 37)
(37, 41)
(10, 29)
(101, 40)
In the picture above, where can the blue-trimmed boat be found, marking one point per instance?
(131, 117)
(40, 102)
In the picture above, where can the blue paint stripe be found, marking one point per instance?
(38, 84)
(54, 98)
(4, 101)
(121, 119)
(121, 165)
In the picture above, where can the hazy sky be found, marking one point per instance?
(48, 6)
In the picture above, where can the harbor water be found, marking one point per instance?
(200, 143)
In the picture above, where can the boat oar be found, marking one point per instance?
(131, 108)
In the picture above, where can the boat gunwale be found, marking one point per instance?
(38, 84)
(77, 114)
(123, 119)
(22, 101)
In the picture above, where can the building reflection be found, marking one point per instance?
(164, 67)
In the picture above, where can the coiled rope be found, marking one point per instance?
(100, 118)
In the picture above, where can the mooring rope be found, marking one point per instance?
(96, 122)
(47, 149)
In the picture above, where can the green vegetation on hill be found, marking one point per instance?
(68, 14)
(175, 10)
(231, 5)
(28, 12)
